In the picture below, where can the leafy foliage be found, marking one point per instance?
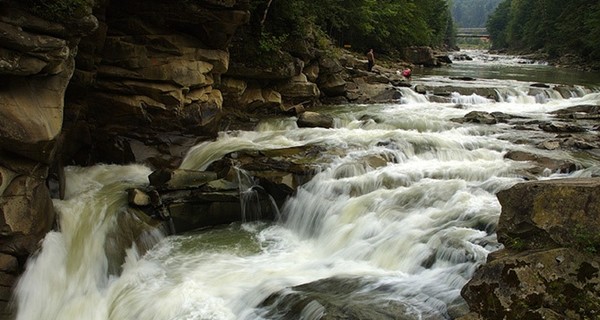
(59, 10)
(556, 27)
(472, 13)
(385, 25)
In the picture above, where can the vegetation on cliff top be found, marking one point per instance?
(59, 10)
(387, 26)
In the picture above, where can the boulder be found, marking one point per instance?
(298, 89)
(339, 298)
(231, 87)
(261, 100)
(549, 284)
(551, 213)
(445, 91)
(311, 71)
(542, 163)
(421, 56)
(477, 117)
(242, 186)
(26, 210)
(331, 76)
(561, 127)
(311, 119)
(178, 179)
(550, 267)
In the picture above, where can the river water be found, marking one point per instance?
(406, 214)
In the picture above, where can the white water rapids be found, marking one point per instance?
(420, 224)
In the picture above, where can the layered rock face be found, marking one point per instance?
(36, 65)
(139, 87)
(154, 66)
(550, 267)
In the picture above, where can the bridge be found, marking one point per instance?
(480, 33)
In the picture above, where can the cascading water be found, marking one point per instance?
(251, 198)
(404, 216)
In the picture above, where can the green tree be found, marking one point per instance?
(386, 25)
(497, 25)
(553, 26)
(472, 13)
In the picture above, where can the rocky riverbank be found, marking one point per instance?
(117, 84)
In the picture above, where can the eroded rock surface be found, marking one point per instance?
(550, 267)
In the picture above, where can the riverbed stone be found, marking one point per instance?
(560, 283)
(542, 163)
(311, 119)
(557, 127)
(551, 213)
(178, 179)
(339, 298)
(550, 267)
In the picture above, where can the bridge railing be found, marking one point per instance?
(472, 33)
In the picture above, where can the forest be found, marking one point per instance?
(385, 25)
(472, 13)
(554, 27)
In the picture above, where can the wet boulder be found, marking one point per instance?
(463, 78)
(242, 186)
(461, 57)
(557, 127)
(540, 163)
(550, 284)
(551, 213)
(448, 90)
(311, 119)
(477, 117)
(484, 117)
(340, 298)
(180, 179)
(581, 112)
(550, 267)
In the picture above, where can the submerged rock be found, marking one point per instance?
(542, 163)
(340, 298)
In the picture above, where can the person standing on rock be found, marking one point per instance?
(370, 59)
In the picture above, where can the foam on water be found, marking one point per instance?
(409, 206)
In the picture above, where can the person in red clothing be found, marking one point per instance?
(407, 73)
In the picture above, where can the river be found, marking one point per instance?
(406, 235)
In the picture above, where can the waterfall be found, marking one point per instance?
(77, 262)
(253, 198)
(472, 99)
(403, 209)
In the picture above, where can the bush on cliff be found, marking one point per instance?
(59, 10)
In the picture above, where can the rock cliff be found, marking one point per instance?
(83, 82)
(37, 61)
